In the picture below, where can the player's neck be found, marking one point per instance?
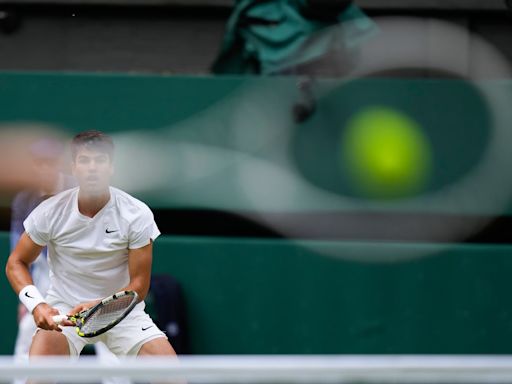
(90, 205)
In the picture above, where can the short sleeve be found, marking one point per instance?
(142, 230)
(36, 226)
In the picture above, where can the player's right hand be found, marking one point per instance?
(43, 317)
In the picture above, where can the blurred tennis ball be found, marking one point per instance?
(386, 154)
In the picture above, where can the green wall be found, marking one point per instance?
(8, 321)
(250, 296)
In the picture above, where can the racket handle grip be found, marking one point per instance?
(58, 319)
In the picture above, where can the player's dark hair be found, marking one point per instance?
(96, 140)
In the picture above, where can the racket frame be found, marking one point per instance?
(80, 319)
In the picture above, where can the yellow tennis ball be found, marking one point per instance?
(386, 153)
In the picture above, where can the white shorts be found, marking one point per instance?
(125, 339)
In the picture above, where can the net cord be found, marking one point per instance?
(271, 369)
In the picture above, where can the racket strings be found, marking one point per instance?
(107, 313)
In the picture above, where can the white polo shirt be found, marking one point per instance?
(88, 257)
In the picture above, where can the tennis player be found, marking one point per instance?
(99, 241)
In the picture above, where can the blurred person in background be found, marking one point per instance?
(46, 155)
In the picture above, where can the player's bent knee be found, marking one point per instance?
(158, 346)
(48, 343)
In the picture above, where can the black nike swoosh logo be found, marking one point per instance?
(146, 328)
(107, 231)
(26, 294)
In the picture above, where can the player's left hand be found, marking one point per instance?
(83, 307)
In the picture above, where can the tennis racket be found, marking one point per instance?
(104, 315)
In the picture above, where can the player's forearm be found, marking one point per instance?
(139, 266)
(17, 268)
(19, 276)
(17, 273)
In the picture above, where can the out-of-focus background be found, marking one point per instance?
(329, 177)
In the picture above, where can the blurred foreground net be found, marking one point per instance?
(270, 369)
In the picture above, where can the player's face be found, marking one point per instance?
(93, 170)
